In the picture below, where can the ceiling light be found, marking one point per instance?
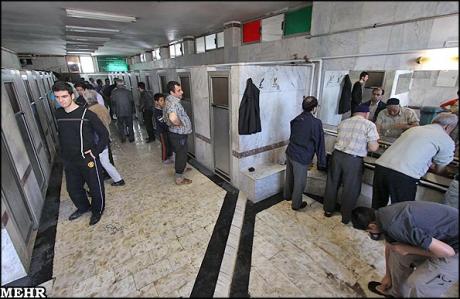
(87, 38)
(89, 29)
(98, 16)
(78, 52)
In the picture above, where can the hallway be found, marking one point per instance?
(152, 236)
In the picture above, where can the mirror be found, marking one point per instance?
(414, 89)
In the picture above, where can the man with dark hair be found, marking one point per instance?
(146, 106)
(80, 87)
(77, 127)
(162, 128)
(107, 92)
(122, 101)
(375, 104)
(99, 86)
(307, 138)
(179, 127)
(355, 136)
(421, 248)
(357, 91)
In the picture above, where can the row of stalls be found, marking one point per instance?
(28, 145)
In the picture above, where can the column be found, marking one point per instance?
(232, 40)
(188, 45)
(164, 52)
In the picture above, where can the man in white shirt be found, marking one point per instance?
(356, 136)
(401, 166)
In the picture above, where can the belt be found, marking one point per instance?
(354, 156)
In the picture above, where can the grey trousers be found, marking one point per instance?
(432, 277)
(295, 181)
(348, 170)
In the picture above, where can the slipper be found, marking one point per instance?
(372, 286)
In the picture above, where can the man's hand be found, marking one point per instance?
(400, 248)
(91, 153)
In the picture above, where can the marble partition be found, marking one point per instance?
(201, 114)
(332, 86)
(281, 93)
(12, 267)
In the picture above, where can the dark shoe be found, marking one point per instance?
(303, 205)
(95, 219)
(77, 214)
(375, 237)
(327, 214)
(119, 183)
(372, 286)
(149, 140)
(131, 140)
(287, 199)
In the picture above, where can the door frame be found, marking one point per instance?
(226, 74)
(187, 73)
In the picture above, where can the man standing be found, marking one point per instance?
(146, 103)
(401, 166)
(179, 127)
(375, 104)
(395, 119)
(421, 248)
(307, 138)
(356, 136)
(122, 101)
(77, 127)
(357, 91)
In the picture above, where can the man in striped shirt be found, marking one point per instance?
(356, 136)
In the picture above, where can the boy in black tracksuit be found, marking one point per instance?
(162, 128)
(77, 127)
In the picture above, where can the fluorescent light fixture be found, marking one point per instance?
(79, 52)
(89, 29)
(98, 16)
(88, 38)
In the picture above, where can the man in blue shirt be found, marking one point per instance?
(307, 138)
(421, 249)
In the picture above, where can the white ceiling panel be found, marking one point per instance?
(39, 27)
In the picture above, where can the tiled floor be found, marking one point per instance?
(304, 254)
(152, 236)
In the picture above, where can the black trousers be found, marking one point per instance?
(397, 185)
(148, 121)
(123, 123)
(295, 181)
(347, 170)
(87, 171)
(179, 146)
(166, 150)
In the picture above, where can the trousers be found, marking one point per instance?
(123, 123)
(111, 170)
(346, 169)
(89, 171)
(295, 181)
(179, 146)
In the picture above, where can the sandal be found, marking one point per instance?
(372, 286)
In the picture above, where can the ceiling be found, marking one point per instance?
(39, 27)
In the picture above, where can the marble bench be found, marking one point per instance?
(266, 180)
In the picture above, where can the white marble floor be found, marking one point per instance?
(304, 254)
(151, 238)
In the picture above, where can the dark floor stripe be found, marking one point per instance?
(41, 266)
(240, 281)
(206, 280)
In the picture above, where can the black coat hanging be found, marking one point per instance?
(345, 97)
(249, 112)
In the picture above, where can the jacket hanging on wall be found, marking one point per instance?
(249, 112)
(345, 97)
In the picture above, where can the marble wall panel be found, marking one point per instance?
(443, 29)
(12, 267)
(204, 153)
(410, 36)
(346, 15)
(445, 7)
(369, 63)
(374, 40)
(407, 10)
(319, 24)
(377, 12)
(200, 96)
